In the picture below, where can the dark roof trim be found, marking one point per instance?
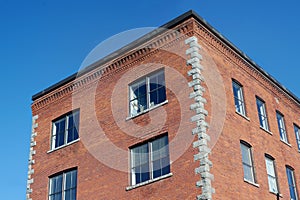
(151, 35)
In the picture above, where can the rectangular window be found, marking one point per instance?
(63, 186)
(238, 98)
(262, 114)
(247, 162)
(65, 129)
(272, 178)
(150, 160)
(297, 133)
(147, 92)
(292, 184)
(281, 127)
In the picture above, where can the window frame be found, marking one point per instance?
(249, 165)
(240, 98)
(65, 117)
(293, 185)
(63, 183)
(274, 176)
(146, 81)
(262, 117)
(297, 135)
(150, 161)
(282, 127)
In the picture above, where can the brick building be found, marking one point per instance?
(180, 113)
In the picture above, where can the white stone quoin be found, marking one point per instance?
(31, 160)
(199, 118)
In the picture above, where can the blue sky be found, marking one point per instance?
(43, 41)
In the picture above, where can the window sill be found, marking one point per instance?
(63, 146)
(269, 132)
(286, 143)
(280, 195)
(242, 115)
(148, 182)
(147, 110)
(251, 183)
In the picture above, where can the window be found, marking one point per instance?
(281, 127)
(272, 178)
(292, 184)
(65, 129)
(147, 92)
(247, 162)
(238, 98)
(150, 160)
(63, 186)
(262, 114)
(297, 132)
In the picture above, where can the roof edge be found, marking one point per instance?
(151, 35)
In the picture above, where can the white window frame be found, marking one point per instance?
(66, 119)
(262, 114)
(150, 161)
(292, 185)
(134, 109)
(281, 127)
(250, 165)
(238, 96)
(297, 135)
(63, 184)
(272, 176)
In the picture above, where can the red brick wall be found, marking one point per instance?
(100, 116)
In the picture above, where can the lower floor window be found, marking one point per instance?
(63, 186)
(292, 183)
(272, 178)
(150, 160)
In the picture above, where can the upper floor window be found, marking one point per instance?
(262, 114)
(238, 98)
(272, 177)
(281, 127)
(292, 183)
(297, 133)
(65, 129)
(63, 186)
(150, 160)
(247, 162)
(147, 92)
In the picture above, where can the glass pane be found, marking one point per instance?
(272, 184)
(73, 124)
(246, 154)
(297, 133)
(140, 164)
(248, 174)
(270, 167)
(60, 128)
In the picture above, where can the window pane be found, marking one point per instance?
(262, 114)
(60, 128)
(238, 98)
(73, 126)
(297, 133)
(272, 184)
(281, 127)
(292, 185)
(138, 97)
(248, 174)
(140, 164)
(160, 157)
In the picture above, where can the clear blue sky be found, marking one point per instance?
(43, 41)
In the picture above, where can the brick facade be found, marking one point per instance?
(106, 131)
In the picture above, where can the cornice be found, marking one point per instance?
(104, 70)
